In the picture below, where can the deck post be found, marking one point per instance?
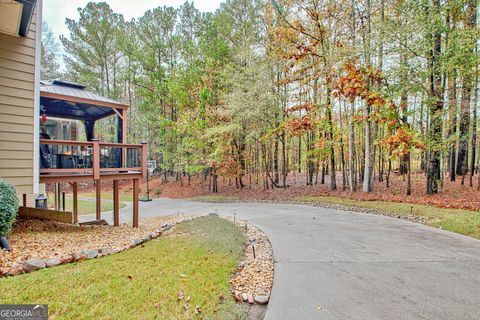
(75, 202)
(124, 137)
(135, 202)
(96, 159)
(116, 204)
(57, 196)
(98, 196)
(124, 126)
(144, 159)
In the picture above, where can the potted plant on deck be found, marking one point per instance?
(8, 211)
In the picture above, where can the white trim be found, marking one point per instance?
(36, 101)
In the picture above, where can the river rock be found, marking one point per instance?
(261, 299)
(79, 255)
(91, 254)
(66, 259)
(245, 297)
(105, 251)
(31, 265)
(53, 262)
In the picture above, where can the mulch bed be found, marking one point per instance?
(39, 243)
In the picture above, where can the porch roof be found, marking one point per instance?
(65, 99)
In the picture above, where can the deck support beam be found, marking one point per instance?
(98, 198)
(75, 202)
(136, 187)
(57, 196)
(116, 204)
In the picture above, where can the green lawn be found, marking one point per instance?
(457, 220)
(142, 283)
(124, 197)
(85, 206)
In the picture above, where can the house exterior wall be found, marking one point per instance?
(19, 68)
(62, 129)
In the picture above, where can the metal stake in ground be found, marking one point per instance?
(234, 215)
(253, 249)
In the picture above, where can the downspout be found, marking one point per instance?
(36, 100)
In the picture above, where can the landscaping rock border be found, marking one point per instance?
(253, 281)
(36, 264)
(411, 218)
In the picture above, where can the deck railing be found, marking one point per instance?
(93, 157)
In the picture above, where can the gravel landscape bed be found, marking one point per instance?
(254, 278)
(409, 217)
(38, 244)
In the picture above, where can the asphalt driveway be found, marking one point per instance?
(333, 264)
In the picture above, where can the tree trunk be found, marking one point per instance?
(367, 170)
(435, 109)
(468, 77)
(299, 154)
(342, 152)
(464, 126)
(409, 180)
(452, 108)
(284, 161)
(367, 186)
(333, 178)
(472, 24)
(275, 161)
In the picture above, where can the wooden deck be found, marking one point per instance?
(94, 161)
(88, 176)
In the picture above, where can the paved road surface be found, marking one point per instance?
(333, 264)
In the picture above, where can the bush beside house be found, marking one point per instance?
(8, 210)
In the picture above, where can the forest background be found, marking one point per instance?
(367, 97)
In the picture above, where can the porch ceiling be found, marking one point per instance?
(73, 110)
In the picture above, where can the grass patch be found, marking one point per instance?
(124, 197)
(84, 206)
(215, 198)
(457, 220)
(142, 283)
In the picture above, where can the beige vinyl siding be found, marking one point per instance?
(17, 83)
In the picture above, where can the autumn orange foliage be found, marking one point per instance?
(297, 127)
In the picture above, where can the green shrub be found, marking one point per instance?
(8, 207)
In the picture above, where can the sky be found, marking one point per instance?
(55, 11)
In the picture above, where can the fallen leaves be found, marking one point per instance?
(180, 295)
(33, 239)
(453, 195)
(198, 310)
